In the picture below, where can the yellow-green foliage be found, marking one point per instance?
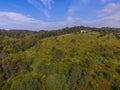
(78, 61)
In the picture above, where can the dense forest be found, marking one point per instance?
(76, 58)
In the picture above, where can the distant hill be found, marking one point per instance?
(65, 59)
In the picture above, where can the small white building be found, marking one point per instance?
(84, 31)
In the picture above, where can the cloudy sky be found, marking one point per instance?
(55, 14)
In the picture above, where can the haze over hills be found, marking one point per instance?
(77, 58)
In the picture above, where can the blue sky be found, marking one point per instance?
(55, 14)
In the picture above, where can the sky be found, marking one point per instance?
(56, 14)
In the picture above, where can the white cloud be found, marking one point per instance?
(35, 3)
(47, 3)
(15, 17)
(13, 20)
(16, 20)
(38, 4)
(107, 21)
(46, 13)
(109, 8)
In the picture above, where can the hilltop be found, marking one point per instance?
(65, 59)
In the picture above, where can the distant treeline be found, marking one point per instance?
(26, 38)
(47, 33)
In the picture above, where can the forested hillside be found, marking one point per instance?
(65, 59)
